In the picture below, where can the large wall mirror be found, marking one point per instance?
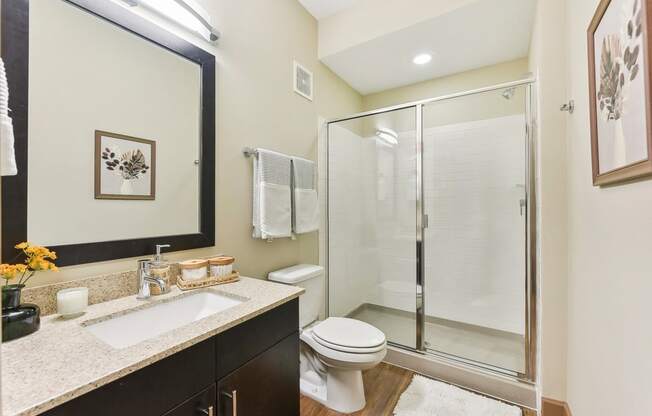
(114, 120)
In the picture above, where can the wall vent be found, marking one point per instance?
(303, 82)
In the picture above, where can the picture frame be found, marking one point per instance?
(125, 167)
(619, 52)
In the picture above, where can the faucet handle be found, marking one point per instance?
(143, 264)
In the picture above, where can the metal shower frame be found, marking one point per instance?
(531, 283)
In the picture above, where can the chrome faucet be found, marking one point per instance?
(145, 277)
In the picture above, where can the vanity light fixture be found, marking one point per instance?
(186, 13)
(422, 59)
(388, 136)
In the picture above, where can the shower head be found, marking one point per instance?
(508, 93)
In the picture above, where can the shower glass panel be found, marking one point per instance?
(475, 196)
(372, 227)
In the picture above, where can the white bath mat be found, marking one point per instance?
(426, 397)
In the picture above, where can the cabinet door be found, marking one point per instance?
(150, 391)
(267, 385)
(203, 404)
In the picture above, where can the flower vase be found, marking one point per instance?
(18, 320)
(127, 187)
(620, 147)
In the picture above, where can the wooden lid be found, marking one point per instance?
(193, 264)
(222, 260)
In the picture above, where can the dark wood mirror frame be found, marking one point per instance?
(15, 53)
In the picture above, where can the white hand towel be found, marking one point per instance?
(7, 154)
(305, 212)
(272, 199)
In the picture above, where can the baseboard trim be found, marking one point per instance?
(552, 407)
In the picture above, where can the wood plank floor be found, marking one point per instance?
(383, 386)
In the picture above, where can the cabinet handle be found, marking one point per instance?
(207, 412)
(234, 398)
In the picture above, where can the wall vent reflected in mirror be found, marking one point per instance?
(303, 81)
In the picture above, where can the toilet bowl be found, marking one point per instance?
(334, 351)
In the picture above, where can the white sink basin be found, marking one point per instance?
(137, 326)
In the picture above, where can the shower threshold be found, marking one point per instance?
(488, 348)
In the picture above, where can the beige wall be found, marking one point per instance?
(547, 57)
(256, 107)
(481, 77)
(610, 279)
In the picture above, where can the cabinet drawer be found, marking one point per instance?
(203, 404)
(152, 390)
(267, 385)
(243, 342)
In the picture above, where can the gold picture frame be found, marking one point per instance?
(619, 84)
(125, 167)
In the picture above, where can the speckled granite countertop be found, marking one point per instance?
(63, 360)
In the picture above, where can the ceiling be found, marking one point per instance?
(321, 9)
(480, 33)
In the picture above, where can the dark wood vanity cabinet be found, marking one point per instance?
(267, 385)
(203, 403)
(254, 366)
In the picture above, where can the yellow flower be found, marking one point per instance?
(36, 258)
(10, 271)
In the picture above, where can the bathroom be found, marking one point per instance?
(325, 207)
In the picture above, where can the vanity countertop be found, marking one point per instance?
(63, 360)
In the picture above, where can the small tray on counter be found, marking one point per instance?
(207, 281)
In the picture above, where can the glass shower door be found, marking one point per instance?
(372, 228)
(474, 182)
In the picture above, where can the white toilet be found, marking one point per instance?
(334, 351)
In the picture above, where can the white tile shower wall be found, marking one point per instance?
(473, 180)
(395, 178)
(353, 264)
(474, 176)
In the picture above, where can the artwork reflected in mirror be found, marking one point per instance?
(125, 167)
(620, 98)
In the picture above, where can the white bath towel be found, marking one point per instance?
(272, 201)
(7, 153)
(4, 90)
(305, 202)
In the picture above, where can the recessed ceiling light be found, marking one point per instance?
(422, 59)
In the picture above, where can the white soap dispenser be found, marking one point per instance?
(159, 268)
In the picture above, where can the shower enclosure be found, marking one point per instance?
(431, 221)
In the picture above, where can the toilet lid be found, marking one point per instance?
(349, 333)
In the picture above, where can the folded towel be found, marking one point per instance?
(4, 91)
(305, 202)
(7, 154)
(272, 200)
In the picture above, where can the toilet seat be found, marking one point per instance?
(342, 359)
(349, 335)
(351, 350)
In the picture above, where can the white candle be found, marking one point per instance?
(72, 301)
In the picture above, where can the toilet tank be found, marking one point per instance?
(309, 277)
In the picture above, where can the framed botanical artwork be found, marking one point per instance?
(125, 167)
(619, 85)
